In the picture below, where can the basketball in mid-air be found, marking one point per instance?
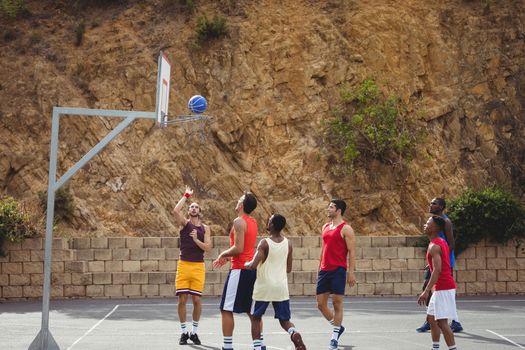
(197, 104)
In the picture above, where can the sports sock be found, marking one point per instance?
(435, 345)
(183, 328)
(452, 347)
(228, 342)
(291, 330)
(194, 327)
(257, 344)
(335, 333)
(262, 339)
(331, 322)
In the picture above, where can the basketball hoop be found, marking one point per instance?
(195, 126)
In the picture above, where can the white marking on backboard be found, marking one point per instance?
(163, 89)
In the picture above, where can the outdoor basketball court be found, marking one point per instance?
(491, 323)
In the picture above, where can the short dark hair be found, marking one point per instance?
(249, 203)
(439, 221)
(339, 204)
(441, 202)
(278, 222)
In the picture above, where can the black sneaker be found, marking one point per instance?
(195, 339)
(184, 339)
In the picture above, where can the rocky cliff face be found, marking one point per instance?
(459, 64)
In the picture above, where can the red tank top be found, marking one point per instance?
(334, 253)
(250, 237)
(445, 280)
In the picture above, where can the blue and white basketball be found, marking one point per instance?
(197, 104)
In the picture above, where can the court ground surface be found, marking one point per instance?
(491, 323)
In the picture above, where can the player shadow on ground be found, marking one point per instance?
(480, 338)
(345, 347)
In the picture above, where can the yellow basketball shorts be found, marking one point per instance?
(189, 278)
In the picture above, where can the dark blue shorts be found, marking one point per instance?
(281, 309)
(333, 281)
(238, 290)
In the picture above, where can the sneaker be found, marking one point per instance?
(333, 344)
(341, 331)
(297, 340)
(425, 327)
(195, 339)
(184, 339)
(263, 347)
(456, 326)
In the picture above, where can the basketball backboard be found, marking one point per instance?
(163, 90)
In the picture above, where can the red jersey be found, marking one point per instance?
(250, 237)
(445, 280)
(334, 252)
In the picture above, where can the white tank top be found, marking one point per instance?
(272, 281)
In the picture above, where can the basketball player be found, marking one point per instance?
(338, 247)
(238, 288)
(442, 303)
(273, 260)
(194, 241)
(437, 206)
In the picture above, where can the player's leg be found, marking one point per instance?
(338, 285)
(181, 290)
(322, 305)
(447, 332)
(257, 311)
(283, 314)
(435, 332)
(323, 293)
(197, 288)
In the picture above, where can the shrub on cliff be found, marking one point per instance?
(491, 213)
(12, 8)
(370, 124)
(64, 203)
(208, 29)
(15, 222)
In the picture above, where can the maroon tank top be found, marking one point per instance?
(189, 250)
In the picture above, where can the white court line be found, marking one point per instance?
(92, 328)
(346, 302)
(507, 339)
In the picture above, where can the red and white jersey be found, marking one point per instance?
(445, 280)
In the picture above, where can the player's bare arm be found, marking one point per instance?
(349, 236)
(435, 253)
(177, 211)
(239, 230)
(260, 255)
(289, 260)
(206, 244)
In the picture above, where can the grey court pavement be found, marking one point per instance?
(491, 323)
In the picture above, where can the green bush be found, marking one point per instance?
(370, 125)
(491, 213)
(210, 29)
(15, 223)
(64, 203)
(11, 8)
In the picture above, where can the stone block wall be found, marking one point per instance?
(120, 267)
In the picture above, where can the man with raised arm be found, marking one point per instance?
(337, 256)
(238, 288)
(194, 241)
